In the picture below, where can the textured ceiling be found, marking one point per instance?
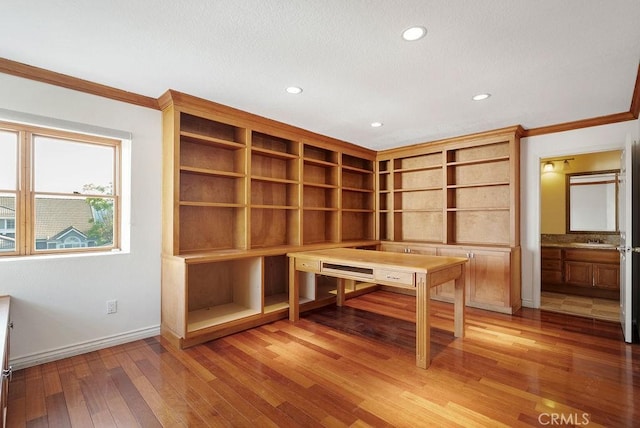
(544, 62)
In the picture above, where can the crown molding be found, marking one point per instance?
(26, 71)
(578, 124)
(635, 99)
(632, 114)
(14, 68)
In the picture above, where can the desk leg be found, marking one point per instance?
(458, 309)
(294, 291)
(340, 292)
(423, 326)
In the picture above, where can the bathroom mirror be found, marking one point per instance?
(592, 202)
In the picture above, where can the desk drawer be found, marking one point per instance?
(391, 277)
(308, 265)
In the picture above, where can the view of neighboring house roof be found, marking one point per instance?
(68, 231)
(54, 216)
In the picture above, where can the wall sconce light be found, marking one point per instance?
(550, 166)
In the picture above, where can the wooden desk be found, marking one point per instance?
(414, 271)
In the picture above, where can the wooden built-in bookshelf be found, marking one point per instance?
(458, 197)
(458, 191)
(239, 192)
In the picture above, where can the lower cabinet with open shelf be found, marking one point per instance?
(210, 295)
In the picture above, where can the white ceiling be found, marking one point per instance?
(544, 62)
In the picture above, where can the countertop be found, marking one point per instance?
(581, 245)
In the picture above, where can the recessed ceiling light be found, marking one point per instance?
(480, 97)
(376, 124)
(414, 33)
(294, 89)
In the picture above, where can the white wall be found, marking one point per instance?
(587, 140)
(59, 303)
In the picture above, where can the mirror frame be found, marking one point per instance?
(568, 202)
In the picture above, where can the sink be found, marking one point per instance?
(592, 245)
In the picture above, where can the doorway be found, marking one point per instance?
(579, 260)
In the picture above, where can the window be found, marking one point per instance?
(59, 191)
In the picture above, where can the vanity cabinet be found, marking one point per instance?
(584, 271)
(592, 268)
(552, 266)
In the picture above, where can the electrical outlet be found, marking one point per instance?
(112, 306)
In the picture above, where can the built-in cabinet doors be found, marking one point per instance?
(487, 272)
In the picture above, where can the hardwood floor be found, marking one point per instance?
(350, 366)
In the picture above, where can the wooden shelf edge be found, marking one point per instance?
(273, 180)
(273, 153)
(319, 185)
(211, 172)
(218, 315)
(479, 161)
(329, 209)
(222, 254)
(210, 204)
(319, 162)
(417, 189)
(273, 207)
(478, 209)
(418, 169)
(426, 210)
(213, 141)
(358, 210)
(490, 184)
(356, 169)
(356, 189)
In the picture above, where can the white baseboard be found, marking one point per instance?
(82, 348)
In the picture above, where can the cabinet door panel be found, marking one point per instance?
(446, 291)
(491, 271)
(578, 273)
(551, 277)
(606, 276)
